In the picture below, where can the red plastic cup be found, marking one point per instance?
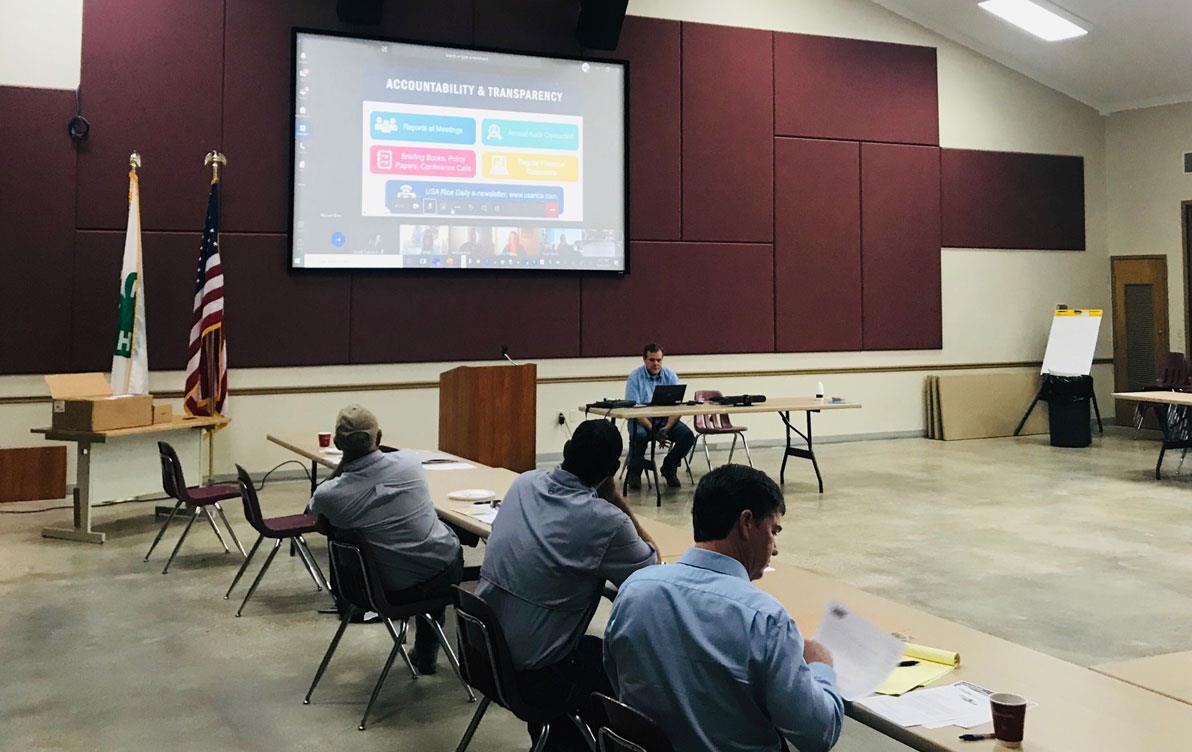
(324, 439)
(1009, 718)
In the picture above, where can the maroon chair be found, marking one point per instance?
(196, 499)
(718, 424)
(359, 586)
(1174, 377)
(624, 729)
(288, 528)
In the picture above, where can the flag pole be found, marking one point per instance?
(214, 159)
(134, 164)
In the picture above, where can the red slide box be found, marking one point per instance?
(402, 160)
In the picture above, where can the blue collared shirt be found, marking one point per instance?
(639, 387)
(384, 497)
(552, 547)
(717, 663)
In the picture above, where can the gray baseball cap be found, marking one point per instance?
(355, 425)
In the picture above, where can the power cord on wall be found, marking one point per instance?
(264, 478)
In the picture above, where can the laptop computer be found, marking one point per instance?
(666, 395)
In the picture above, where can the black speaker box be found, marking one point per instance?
(600, 21)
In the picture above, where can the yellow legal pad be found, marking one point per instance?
(932, 664)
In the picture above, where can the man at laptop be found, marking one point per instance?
(666, 431)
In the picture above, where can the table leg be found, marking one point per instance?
(314, 476)
(81, 531)
(794, 451)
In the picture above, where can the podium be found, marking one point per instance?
(487, 414)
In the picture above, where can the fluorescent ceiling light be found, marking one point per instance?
(1034, 18)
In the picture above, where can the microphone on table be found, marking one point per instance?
(505, 355)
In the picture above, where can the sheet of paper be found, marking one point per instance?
(958, 704)
(448, 466)
(863, 654)
(483, 512)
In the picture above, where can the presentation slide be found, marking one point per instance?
(415, 156)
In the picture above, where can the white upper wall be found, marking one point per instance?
(1147, 187)
(41, 43)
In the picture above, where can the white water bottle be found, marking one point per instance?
(819, 390)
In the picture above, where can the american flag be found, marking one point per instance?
(207, 359)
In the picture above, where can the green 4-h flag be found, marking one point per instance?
(130, 362)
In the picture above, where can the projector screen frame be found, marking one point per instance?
(431, 272)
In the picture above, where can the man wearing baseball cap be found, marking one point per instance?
(383, 497)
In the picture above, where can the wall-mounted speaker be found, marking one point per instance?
(600, 22)
(364, 12)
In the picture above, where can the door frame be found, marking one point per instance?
(1186, 239)
(1124, 408)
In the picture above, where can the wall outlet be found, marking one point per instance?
(562, 419)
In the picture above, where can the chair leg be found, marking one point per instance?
(178, 545)
(244, 566)
(450, 653)
(253, 587)
(343, 624)
(215, 529)
(707, 456)
(231, 530)
(384, 675)
(312, 566)
(584, 731)
(162, 532)
(400, 639)
(473, 725)
(732, 448)
(540, 745)
(745, 443)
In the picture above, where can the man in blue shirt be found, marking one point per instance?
(639, 387)
(717, 663)
(560, 535)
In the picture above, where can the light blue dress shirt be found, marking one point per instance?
(553, 545)
(717, 663)
(639, 387)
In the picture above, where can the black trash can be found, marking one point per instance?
(1068, 410)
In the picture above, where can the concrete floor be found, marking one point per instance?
(1078, 553)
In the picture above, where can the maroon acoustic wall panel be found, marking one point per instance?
(151, 81)
(168, 260)
(900, 247)
(256, 104)
(689, 297)
(275, 318)
(827, 87)
(428, 316)
(728, 144)
(994, 199)
(37, 201)
(817, 245)
(542, 26)
(651, 46)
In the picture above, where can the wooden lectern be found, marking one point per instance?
(487, 414)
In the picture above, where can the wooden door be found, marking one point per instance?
(1140, 341)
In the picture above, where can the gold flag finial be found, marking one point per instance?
(215, 160)
(134, 160)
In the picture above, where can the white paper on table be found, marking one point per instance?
(448, 466)
(959, 704)
(483, 512)
(863, 654)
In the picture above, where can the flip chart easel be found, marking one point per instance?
(1070, 346)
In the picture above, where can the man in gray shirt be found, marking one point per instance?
(383, 497)
(559, 536)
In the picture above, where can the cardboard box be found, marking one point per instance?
(84, 402)
(162, 413)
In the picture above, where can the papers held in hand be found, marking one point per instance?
(863, 654)
(920, 665)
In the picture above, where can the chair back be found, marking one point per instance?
(252, 504)
(627, 730)
(484, 658)
(1175, 371)
(172, 481)
(350, 562)
(710, 422)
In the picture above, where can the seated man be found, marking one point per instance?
(640, 388)
(717, 663)
(559, 536)
(383, 497)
